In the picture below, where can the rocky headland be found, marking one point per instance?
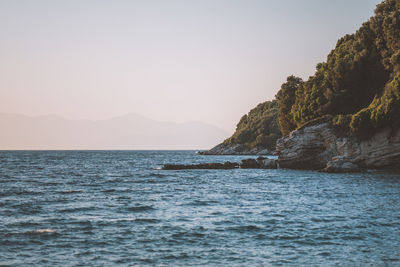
(345, 117)
(318, 147)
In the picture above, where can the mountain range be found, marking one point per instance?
(128, 132)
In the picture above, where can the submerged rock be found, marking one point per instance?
(317, 147)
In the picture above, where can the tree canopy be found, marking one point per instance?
(258, 128)
(358, 84)
(357, 89)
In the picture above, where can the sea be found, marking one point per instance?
(118, 208)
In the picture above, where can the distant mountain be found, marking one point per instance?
(125, 132)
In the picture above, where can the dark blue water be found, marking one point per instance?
(105, 208)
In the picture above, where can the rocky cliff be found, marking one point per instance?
(319, 147)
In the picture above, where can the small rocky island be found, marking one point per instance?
(344, 118)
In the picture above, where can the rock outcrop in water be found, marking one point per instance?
(236, 149)
(259, 163)
(318, 147)
(206, 166)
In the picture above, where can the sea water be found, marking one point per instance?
(106, 208)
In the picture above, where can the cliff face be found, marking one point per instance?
(318, 147)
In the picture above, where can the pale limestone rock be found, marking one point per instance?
(318, 147)
(341, 164)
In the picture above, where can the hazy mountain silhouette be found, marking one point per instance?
(124, 132)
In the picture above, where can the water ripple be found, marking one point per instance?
(105, 208)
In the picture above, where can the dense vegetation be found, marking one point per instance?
(258, 128)
(357, 89)
(358, 85)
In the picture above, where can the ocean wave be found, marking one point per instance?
(44, 231)
(71, 191)
(146, 220)
(201, 203)
(245, 228)
(140, 208)
(77, 209)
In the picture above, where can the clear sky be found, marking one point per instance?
(174, 60)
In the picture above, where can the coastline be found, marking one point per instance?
(236, 149)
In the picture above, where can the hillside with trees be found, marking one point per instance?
(357, 89)
(258, 128)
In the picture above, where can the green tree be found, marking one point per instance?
(286, 97)
(358, 84)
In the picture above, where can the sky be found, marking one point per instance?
(169, 60)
